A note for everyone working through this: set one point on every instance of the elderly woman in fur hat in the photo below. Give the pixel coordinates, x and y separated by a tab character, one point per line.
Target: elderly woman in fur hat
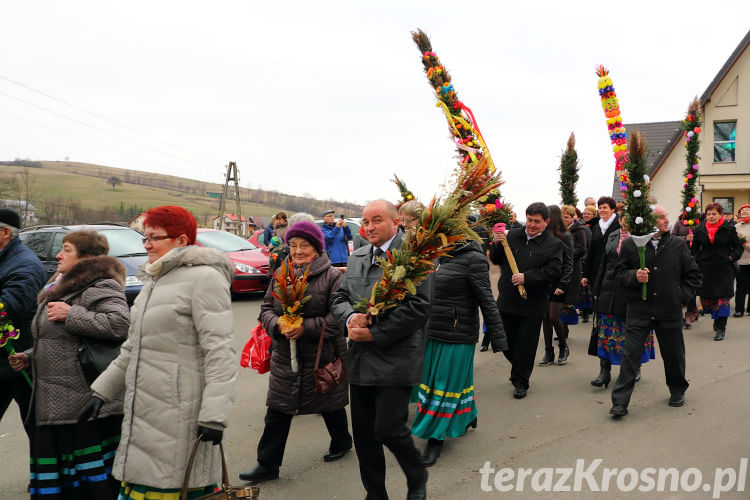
291	393
85	300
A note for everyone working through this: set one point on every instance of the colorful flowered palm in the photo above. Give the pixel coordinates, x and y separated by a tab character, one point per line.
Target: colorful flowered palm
630	167
443	224
691	127
492	210
617	136
8	333
639	215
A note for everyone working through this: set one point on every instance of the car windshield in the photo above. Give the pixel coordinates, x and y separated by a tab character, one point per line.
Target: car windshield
226	242
123	242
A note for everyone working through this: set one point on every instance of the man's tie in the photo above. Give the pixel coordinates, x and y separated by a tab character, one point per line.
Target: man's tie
377	253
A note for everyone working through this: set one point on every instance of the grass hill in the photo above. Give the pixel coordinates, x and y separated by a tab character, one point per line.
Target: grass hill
81	192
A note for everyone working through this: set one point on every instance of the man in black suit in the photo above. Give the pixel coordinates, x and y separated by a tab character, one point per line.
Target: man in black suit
538	255
384	360
672	277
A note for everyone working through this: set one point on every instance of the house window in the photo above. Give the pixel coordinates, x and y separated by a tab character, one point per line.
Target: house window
725	141
726	203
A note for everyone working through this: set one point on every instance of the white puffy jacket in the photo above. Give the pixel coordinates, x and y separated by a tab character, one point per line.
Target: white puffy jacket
177	369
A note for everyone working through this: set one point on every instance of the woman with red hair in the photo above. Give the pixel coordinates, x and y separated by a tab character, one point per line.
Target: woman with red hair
177	369
716	247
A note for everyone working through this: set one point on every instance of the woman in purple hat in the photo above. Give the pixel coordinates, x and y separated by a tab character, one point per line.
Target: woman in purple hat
291	393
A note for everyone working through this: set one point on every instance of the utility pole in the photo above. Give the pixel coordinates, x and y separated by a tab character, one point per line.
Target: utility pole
232	175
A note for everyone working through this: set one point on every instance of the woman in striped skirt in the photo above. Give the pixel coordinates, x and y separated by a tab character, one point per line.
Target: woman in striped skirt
86	299
445	400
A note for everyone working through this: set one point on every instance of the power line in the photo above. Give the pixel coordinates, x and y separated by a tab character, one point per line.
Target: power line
64	132
101	117
74	120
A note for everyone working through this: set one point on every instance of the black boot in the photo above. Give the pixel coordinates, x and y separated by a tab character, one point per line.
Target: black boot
720	325
605	374
585	316
472	424
720	332
564	353
548	359
432	452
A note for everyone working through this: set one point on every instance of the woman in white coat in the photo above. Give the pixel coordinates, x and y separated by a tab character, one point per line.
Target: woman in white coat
178	368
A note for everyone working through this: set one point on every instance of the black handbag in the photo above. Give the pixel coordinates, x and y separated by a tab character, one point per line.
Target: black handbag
95	355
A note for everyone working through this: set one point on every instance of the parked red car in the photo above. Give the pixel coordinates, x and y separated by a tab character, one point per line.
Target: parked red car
250	264
257	240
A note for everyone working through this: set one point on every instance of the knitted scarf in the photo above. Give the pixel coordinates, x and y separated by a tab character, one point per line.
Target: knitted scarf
712	228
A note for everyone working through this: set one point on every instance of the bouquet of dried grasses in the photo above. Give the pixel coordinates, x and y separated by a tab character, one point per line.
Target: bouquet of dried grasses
290	289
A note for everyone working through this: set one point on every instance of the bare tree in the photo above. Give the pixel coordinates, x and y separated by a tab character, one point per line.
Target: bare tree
114	180
26	190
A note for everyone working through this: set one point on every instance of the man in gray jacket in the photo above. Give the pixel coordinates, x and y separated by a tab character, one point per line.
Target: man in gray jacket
385	359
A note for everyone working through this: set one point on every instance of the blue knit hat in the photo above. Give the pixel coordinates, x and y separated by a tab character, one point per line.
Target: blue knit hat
308	231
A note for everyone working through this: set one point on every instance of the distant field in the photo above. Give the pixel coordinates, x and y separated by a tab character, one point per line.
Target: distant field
58	181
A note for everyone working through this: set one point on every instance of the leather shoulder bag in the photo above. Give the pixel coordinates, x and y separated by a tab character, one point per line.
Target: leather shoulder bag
331	374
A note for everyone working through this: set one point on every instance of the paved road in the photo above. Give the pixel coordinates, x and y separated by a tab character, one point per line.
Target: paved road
563	419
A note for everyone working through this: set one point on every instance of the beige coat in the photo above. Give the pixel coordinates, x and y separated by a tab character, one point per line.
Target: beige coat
177	369
743	229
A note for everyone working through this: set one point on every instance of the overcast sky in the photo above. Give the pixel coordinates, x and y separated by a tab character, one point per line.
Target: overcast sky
329	98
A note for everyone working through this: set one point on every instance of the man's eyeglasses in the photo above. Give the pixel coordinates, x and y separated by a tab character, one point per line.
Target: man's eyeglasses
151	239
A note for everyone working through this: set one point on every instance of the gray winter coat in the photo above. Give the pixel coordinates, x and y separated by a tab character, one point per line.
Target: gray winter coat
396	356
177	369
290	392
94	287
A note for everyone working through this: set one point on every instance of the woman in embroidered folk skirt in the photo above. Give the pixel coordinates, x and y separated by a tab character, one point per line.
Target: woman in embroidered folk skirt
446	405
716	246
610	308
86	299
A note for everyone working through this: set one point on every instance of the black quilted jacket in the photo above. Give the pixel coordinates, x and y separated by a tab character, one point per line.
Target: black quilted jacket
461	288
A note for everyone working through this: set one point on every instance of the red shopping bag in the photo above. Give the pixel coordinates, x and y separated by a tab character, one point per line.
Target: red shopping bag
257	351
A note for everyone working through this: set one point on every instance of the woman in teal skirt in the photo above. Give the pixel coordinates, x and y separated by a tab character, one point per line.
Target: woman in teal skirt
445	399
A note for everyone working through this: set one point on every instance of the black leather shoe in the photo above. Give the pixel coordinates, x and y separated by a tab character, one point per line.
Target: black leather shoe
418	492
719	334
333	456
738	314
432	452
677	400
618	411
484	348
260	473
564	354
520	392
548	359
472	424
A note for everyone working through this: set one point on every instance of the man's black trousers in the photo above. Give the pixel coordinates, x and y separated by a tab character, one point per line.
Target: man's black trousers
523	339
671	347
379	416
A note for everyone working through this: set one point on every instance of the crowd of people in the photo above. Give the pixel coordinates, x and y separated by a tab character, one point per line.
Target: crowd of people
118	398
